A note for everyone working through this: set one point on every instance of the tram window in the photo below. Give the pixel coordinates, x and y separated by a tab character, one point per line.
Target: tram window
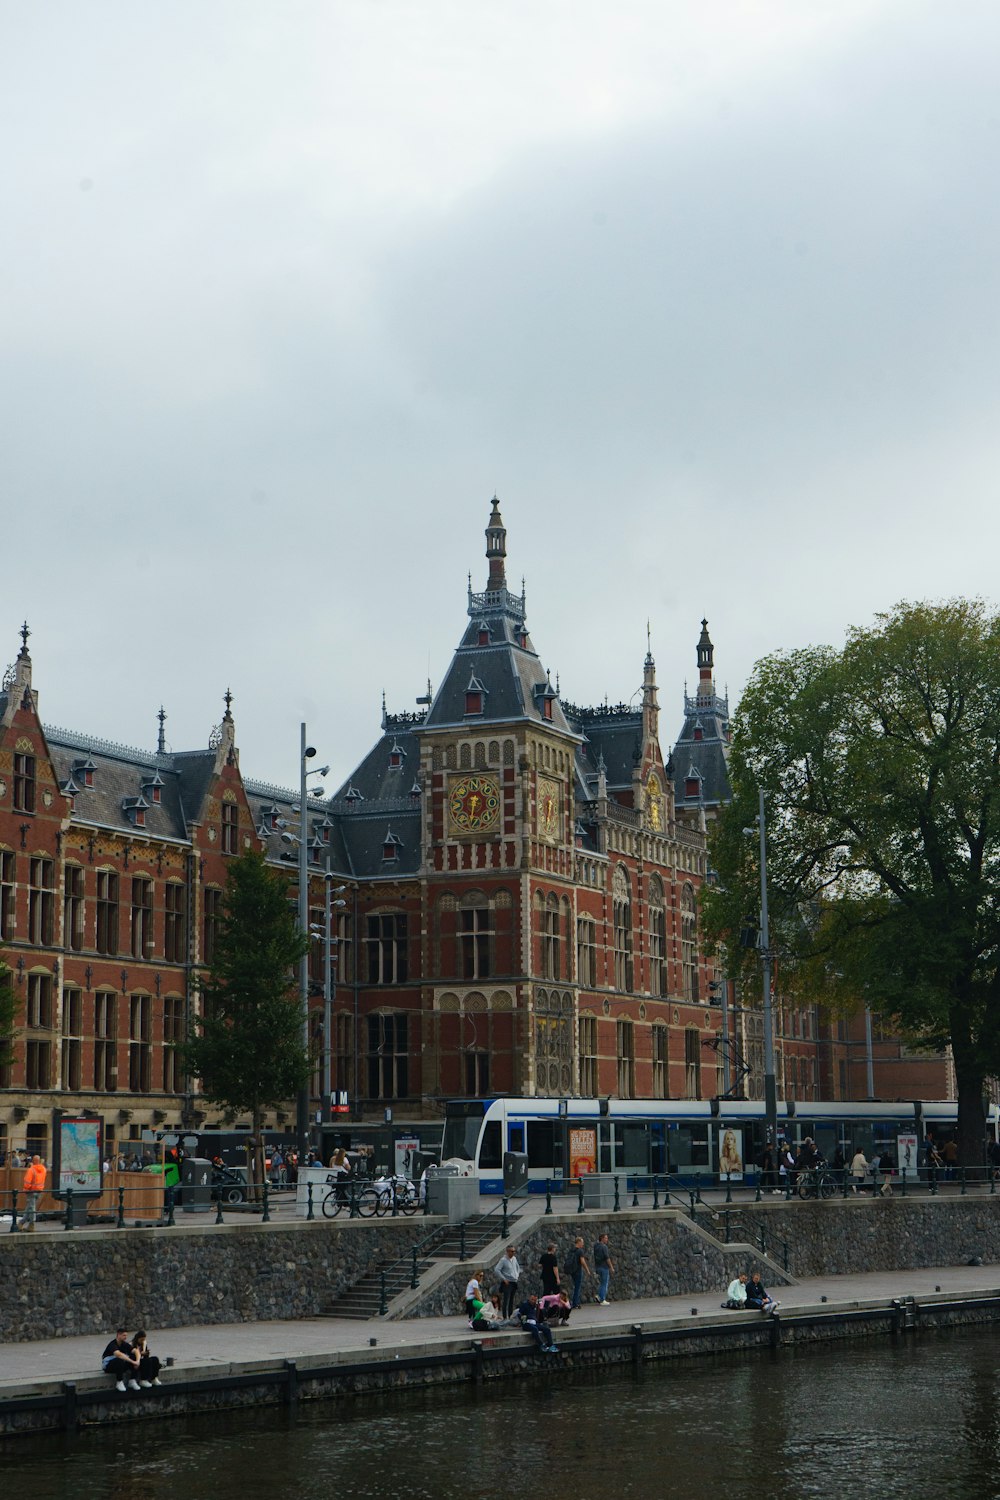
489	1151
604	1157
541	1143
635	1147
515	1137
689	1146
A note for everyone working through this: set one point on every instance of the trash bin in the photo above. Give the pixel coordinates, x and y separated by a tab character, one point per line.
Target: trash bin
515	1170
598	1189
196	1185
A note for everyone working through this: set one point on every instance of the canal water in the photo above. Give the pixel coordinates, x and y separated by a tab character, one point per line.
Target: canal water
916	1419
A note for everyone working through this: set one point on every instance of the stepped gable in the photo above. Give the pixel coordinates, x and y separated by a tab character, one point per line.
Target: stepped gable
496	676
701	754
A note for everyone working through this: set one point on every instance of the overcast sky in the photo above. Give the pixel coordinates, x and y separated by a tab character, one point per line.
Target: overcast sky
707	293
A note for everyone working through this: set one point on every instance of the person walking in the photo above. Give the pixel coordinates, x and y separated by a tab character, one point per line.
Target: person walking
604	1266
859	1170
576	1268
509	1272
548	1264
34	1187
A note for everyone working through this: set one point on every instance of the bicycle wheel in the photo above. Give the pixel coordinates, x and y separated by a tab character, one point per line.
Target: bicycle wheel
827	1185
409	1204
331	1206
368	1202
806	1188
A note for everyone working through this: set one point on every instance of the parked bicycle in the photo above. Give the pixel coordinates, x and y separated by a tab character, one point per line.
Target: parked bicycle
366	1199
816	1182
395	1194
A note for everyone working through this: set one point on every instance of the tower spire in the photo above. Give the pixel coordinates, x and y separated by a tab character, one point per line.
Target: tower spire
161	739
706	661
496	548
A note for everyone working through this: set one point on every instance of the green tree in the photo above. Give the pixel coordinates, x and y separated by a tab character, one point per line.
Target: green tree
248	1049
8	1015
880	764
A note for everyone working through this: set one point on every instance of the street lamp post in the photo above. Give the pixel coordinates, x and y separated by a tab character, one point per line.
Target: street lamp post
306	752
770	1090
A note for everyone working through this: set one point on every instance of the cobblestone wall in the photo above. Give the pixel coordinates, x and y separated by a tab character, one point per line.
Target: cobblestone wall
88	1282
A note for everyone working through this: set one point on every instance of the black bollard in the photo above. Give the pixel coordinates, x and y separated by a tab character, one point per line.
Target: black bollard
548	1196
354	1212
120	1222
964	1188
635	1192
579	1200
383	1305
756	1197
656	1192
691	1196
729	1187
395	1202
309	1202
266	1216
69	1208
934	1181
618	1202
170	1210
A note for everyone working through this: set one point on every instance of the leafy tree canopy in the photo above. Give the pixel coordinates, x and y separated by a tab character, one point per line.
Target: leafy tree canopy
249	1050
880	765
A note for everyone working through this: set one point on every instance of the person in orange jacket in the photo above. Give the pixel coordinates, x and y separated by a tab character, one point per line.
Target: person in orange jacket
34	1187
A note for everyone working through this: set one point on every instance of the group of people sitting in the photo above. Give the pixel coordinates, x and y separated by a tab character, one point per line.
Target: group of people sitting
535	1314
129	1362
749	1294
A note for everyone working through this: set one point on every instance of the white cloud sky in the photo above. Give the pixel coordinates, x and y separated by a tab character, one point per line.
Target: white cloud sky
709	295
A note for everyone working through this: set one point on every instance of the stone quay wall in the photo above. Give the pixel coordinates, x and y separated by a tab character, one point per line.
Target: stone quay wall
90	1281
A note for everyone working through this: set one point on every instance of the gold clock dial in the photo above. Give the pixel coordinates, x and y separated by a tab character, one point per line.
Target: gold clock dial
474	803
548	808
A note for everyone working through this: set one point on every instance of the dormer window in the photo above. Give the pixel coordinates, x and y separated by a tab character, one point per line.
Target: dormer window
699	732
391	846
415	789
475	696
152	787
484	633
547	708
522	638
83	771
134	809
353	795
396	757
692	783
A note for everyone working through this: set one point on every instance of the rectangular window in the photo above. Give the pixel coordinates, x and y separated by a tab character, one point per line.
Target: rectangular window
105	1041
139	1043
41	899
213	913
586	952
388	1058
38	1065
38	1005
344	950
476	942
623	945
657	951
550	943
692	1064
626	1060
107	911
73	908
477	1074
174	923
588	1057
72	1039
142	917
344	1076
387	948
8	880
173	1033
24	783
659	1062
231	828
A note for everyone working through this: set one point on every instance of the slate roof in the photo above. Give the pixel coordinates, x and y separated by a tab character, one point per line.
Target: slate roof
706	758
612	733
119	774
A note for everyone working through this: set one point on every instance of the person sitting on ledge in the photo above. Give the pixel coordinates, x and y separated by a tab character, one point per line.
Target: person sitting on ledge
758	1297
149	1365
482	1320
555	1307
736	1293
532	1321
121	1362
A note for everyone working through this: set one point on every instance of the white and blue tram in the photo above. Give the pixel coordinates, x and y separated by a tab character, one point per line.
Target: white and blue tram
680	1137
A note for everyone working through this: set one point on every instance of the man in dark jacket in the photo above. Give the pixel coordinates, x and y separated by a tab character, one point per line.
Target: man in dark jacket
757	1295
532	1322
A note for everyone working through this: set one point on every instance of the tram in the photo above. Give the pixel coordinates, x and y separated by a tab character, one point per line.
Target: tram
686	1138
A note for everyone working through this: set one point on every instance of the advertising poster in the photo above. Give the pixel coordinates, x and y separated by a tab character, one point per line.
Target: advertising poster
406	1149
906	1155
730	1153
78	1160
582	1151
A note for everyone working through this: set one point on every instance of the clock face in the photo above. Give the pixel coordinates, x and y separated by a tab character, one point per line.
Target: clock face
548	808
474	803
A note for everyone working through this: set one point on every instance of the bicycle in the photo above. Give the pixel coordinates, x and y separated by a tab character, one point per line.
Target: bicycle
339	1196
816	1182
398	1191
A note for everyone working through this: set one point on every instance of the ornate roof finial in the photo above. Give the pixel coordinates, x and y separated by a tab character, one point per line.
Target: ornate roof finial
161	742
25	632
227	698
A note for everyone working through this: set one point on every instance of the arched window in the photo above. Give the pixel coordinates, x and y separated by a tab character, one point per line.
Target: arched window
689	949
621	892
657	938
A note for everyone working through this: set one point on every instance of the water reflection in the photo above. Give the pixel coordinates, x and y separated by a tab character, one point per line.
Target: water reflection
910	1420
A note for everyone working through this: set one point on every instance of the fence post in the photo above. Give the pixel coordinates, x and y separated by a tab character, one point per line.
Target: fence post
461	1240
902	1177
505	1227
875	1172
691	1196
69	1208
993	1182
618	1202
964	1188
843	1184
266	1216
756	1198
548	1196
395	1201
656	1192
13	1210
170	1209
697	1187
729	1187
383	1306
309	1202
218	1209
579	1189
354	1212
635	1191
120	1223
934	1182
414	1278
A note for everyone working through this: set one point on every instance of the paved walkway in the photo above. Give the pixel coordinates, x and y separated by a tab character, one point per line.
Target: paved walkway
221	1344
